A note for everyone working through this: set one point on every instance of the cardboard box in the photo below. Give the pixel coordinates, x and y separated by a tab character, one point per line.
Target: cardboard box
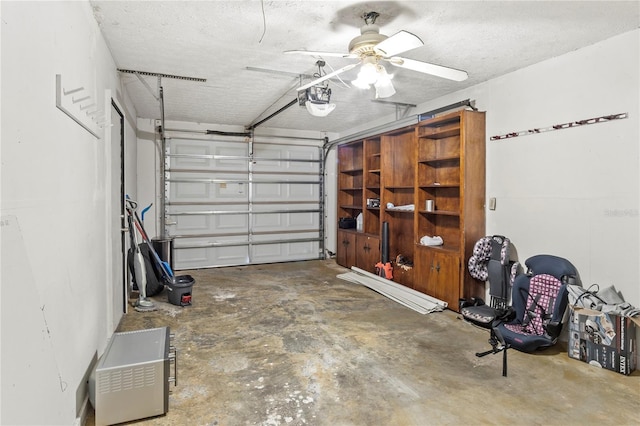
603	339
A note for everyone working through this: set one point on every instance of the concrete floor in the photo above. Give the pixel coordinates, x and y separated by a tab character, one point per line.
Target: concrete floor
291	344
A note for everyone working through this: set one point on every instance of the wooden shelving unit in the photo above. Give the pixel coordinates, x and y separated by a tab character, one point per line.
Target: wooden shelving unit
450	171
398	186
350	180
358	180
372	185
441	159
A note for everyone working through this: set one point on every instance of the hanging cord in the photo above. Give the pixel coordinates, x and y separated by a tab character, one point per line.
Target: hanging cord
586	296
338	77
264	22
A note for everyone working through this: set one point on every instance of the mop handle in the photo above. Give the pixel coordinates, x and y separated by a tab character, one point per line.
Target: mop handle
168	273
144	211
166	269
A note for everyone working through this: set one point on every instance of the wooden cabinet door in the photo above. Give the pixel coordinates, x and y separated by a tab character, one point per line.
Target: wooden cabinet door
439	275
346	249
447	283
367	252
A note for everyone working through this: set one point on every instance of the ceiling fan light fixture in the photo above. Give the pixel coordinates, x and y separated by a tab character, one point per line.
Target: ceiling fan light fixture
384	90
360	84
384	87
375	74
371	47
368	73
383	76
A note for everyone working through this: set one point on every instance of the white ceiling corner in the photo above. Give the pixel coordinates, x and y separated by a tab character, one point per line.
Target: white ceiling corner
218	40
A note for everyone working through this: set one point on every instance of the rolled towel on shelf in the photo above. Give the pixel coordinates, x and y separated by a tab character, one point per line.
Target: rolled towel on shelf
431	241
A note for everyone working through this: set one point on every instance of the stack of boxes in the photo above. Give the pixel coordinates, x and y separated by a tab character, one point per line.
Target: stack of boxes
603	339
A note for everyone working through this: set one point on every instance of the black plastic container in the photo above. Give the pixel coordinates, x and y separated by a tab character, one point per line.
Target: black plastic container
179	290
164	248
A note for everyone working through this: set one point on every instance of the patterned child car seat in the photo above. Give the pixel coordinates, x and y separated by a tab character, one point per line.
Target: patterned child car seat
540	300
539	303
491	261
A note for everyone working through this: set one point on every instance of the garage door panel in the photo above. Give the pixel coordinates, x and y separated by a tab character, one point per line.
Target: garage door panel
235	203
194	256
284	191
286	155
188	191
301	220
308	207
292	251
225	218
207	224
198	154
269	150
208	191
284	221
191	224
311	192
207	257
285	166
266	191
267	222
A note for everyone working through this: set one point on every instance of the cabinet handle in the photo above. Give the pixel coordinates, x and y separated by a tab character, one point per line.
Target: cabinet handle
438	267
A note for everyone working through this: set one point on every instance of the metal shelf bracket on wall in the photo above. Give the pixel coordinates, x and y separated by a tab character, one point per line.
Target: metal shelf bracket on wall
80	105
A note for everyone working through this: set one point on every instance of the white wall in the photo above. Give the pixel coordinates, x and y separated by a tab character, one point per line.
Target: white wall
55	210
573	193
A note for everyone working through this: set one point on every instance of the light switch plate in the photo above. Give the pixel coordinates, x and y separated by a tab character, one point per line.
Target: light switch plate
492	203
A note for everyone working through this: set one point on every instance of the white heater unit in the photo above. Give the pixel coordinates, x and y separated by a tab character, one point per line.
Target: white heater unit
131	379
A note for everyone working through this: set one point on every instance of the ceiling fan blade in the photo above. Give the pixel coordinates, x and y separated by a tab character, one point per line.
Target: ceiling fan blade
328	76
398	43
427	68
316	53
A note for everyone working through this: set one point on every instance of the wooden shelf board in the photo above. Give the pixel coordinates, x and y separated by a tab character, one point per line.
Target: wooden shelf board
399	211
399	188
440	212
441	133
448	185
444	248
439	160
351	171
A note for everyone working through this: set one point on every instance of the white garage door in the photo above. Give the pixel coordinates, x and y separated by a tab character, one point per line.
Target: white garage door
233	201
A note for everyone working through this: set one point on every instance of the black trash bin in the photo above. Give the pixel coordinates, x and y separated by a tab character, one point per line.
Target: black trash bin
179	290
164	248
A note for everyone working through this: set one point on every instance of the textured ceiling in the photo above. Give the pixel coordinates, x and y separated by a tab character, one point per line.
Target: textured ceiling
218	40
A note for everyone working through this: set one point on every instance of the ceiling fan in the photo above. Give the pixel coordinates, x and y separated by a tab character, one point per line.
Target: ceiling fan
371	48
